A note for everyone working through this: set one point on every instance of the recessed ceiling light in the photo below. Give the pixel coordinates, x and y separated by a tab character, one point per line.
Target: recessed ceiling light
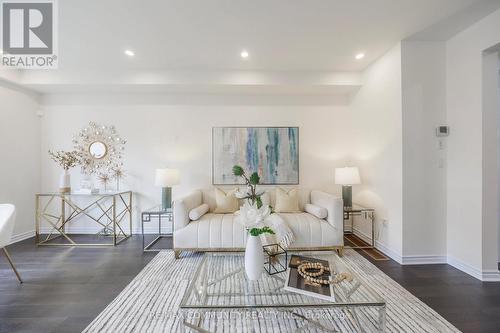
244	54
130	53
359	56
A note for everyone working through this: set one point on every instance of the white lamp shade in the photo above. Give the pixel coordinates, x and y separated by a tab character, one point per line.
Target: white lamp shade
167	177
347	176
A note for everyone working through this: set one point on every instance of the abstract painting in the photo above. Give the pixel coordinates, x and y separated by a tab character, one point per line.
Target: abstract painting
271	151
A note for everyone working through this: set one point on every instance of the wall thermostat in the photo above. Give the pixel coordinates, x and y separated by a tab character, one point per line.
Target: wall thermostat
443	131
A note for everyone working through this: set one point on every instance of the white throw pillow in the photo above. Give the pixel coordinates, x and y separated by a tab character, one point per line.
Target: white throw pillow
319	212
287	202
196	213
226	202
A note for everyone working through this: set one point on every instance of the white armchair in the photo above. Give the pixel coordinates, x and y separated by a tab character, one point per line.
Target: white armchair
7	217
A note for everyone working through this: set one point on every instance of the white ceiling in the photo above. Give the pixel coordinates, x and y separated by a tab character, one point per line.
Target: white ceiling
184	46
209	34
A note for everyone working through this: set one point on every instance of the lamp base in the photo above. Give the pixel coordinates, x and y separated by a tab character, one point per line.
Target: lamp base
347	196
166	198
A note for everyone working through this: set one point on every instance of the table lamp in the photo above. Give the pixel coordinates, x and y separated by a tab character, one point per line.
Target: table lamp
347	177
166	178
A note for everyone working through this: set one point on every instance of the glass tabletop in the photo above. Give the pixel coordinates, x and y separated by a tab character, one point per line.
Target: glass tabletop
220	282
158	210
357	208
81	194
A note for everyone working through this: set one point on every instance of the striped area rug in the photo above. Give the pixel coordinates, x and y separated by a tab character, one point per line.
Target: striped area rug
150	303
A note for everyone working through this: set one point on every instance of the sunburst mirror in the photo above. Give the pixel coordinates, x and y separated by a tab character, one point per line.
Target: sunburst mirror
100	147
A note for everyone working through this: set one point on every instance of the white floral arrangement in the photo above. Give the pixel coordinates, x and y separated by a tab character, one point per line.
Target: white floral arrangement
253	213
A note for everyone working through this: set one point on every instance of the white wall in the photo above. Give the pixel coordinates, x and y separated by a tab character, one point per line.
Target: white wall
375	142
179	136
176	132
424	168
466	221
20	161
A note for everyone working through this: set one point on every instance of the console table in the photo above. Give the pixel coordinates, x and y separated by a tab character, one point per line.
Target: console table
109	210
367	213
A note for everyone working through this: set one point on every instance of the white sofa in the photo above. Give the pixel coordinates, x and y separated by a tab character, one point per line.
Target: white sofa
220	232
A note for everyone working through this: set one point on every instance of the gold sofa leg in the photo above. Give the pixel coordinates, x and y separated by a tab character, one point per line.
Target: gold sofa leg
177	254
340	251
12	264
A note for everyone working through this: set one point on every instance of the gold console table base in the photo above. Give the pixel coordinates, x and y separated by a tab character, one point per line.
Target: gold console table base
111	209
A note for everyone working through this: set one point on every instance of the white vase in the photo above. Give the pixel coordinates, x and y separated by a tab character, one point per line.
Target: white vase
65	182
254	258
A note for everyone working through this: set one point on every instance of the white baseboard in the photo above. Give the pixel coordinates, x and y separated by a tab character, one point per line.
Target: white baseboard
482	275
366	238
22	236
490	276
403	260
379	246
388	252
464	267
424	260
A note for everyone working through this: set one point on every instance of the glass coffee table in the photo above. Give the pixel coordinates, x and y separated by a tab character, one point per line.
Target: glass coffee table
220	286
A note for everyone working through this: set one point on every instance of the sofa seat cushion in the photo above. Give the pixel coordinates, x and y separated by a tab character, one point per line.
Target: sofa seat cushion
219	231
211	231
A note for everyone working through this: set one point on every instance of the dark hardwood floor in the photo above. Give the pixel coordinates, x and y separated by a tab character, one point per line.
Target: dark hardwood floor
66	288
467	303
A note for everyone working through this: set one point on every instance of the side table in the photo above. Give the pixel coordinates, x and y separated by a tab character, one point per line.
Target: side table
163	215
367	213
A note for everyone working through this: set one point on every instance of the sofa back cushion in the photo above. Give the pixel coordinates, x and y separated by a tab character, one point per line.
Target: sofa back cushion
287	201
268	198
226	202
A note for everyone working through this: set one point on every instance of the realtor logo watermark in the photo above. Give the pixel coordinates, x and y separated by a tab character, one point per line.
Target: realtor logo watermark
29	34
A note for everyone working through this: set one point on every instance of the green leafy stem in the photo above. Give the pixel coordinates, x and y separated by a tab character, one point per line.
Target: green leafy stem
259	231
251	182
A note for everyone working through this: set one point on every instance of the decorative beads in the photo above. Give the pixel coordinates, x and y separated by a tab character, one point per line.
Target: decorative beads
304	271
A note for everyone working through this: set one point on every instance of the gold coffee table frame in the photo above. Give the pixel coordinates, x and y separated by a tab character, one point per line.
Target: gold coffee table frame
111	209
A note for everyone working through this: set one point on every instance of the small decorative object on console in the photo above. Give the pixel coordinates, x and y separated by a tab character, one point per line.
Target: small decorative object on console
277	259
118	173
67	160
104	180
88	191
87	186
